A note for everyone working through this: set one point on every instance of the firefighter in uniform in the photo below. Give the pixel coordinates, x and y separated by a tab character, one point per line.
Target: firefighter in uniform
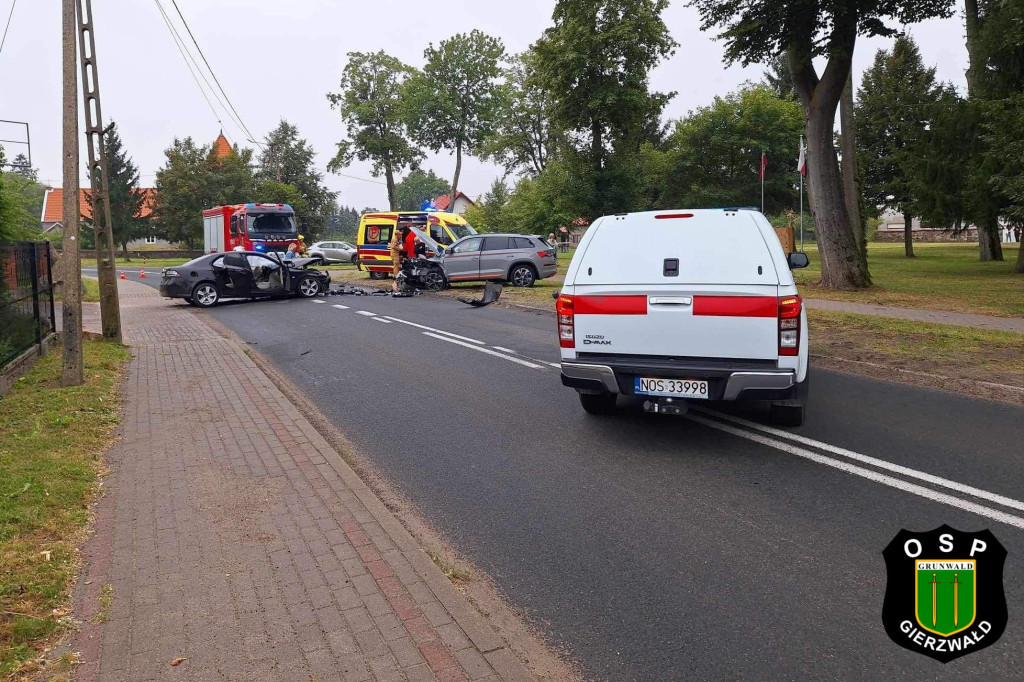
395	248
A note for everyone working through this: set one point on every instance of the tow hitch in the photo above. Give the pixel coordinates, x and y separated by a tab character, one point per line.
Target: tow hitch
666	406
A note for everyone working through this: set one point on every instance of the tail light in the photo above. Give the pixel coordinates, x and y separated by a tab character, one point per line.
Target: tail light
566	322
545	254
171	273
789	325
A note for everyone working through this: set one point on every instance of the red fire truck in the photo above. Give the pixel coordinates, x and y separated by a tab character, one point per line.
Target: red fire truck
254	227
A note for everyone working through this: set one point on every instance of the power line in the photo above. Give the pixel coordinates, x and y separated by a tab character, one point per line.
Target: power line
187	54
252	138
8	26
174	37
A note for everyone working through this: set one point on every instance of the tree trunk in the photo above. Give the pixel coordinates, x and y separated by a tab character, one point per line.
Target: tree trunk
124	250
843	266
851	180
908	235
455	180
389	176
1018	269
989	244
973	25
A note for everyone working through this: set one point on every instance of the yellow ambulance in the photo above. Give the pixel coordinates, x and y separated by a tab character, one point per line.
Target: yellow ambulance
375	230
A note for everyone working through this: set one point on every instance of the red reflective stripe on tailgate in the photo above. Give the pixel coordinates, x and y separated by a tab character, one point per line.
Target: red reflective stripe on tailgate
736	306
610	305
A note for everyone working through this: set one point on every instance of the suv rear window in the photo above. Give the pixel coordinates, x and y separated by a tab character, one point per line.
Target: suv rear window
522	243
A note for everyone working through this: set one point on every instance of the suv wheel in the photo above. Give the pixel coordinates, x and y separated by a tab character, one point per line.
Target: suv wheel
598	403
205	294
522	276
787	415
434	280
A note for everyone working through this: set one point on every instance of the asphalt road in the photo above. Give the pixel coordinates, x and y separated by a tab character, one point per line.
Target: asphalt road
658	548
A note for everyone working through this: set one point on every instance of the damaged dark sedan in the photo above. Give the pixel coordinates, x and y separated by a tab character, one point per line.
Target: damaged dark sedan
242	274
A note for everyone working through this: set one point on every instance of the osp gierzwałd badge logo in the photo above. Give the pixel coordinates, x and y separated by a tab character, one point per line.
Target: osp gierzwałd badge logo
944	595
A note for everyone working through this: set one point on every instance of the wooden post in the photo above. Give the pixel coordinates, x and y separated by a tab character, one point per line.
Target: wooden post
73	373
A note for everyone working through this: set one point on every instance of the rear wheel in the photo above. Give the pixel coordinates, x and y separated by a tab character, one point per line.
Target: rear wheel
787	415
522	276
354	259
309	287
598	403
205	294
378	275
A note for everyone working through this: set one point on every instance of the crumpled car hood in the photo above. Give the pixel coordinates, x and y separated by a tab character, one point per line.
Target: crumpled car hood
301	263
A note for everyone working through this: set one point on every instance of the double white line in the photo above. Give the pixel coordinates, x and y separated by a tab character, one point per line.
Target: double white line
779	442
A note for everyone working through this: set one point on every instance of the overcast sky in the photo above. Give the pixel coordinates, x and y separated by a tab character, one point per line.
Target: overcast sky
278	58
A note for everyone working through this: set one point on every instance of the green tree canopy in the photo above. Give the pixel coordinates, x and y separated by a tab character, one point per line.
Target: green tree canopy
289	159
454	103
126	201
194	179
21	201
14	219
370	106
714	153
595	62
895	104
524	138
418	187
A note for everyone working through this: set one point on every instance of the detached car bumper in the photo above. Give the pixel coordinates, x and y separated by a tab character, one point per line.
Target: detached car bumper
727	380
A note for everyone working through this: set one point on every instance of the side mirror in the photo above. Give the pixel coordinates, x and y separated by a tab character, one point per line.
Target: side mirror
798	260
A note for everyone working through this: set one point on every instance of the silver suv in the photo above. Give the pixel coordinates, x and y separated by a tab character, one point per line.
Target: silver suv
515	258
333	252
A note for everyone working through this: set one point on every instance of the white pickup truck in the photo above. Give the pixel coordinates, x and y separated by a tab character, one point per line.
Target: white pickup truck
684	305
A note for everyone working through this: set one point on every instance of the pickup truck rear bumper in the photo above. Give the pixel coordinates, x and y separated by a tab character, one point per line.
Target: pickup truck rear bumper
727	380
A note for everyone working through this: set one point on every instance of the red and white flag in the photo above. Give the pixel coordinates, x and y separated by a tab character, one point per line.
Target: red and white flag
801	164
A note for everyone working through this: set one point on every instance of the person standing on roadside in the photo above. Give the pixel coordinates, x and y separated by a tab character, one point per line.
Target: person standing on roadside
395	247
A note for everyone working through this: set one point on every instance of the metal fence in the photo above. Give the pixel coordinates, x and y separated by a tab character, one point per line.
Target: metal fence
26	297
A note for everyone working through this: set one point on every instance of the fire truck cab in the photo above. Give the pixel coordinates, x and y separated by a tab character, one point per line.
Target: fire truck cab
253	227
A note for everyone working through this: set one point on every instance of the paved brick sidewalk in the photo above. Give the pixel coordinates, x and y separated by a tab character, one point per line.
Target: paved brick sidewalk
233	535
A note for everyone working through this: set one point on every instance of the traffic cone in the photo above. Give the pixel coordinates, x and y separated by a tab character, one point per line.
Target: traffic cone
142	274
122	274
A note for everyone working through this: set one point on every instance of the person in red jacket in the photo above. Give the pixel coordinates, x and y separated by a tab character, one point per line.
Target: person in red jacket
410	245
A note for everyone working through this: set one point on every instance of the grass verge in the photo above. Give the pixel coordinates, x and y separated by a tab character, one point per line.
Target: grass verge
940	277
51	439
961	353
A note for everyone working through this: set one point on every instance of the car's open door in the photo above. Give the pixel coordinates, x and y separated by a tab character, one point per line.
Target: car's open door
236	279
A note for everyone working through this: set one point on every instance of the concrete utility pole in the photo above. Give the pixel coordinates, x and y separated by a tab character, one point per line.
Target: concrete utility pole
110	307
73	374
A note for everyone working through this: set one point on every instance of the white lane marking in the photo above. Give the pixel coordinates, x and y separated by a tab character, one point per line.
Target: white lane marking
382	320
875	462
504	350
436	331
340	307
496	354
366	313
316	300
556	365
869	474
